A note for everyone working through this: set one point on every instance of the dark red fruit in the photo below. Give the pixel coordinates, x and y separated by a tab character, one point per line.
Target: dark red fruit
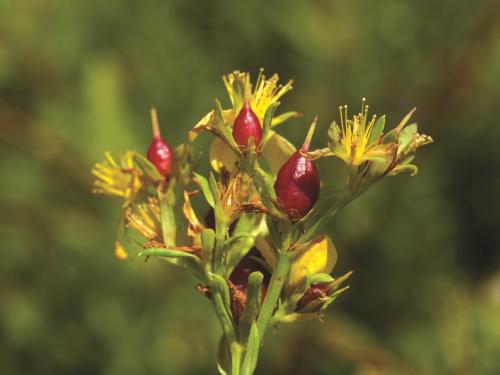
246	126
159	152
251	262
297	183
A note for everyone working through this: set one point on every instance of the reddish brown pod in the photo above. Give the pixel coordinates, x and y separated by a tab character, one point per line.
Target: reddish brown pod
246	126
251	262
159	152
315	295
297	183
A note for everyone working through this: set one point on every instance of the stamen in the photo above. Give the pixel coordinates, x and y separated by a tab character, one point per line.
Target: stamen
154	123
341	120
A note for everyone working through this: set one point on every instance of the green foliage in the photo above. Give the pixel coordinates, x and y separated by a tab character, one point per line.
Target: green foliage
78	79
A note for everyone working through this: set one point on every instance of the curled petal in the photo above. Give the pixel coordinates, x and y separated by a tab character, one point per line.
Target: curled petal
319	256
195	227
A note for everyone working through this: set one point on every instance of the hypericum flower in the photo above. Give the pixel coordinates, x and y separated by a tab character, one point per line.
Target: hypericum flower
297	182
122	180
358	141
265	93
159	152
144	218
362	140
247	126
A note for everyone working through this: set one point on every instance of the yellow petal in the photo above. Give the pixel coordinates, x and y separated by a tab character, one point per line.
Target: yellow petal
319	257
277	151
221	156
195	227
120	252
205	122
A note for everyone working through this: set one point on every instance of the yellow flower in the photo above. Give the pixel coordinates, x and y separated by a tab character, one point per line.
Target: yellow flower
122	180
265	93
355	141
362	139
144	218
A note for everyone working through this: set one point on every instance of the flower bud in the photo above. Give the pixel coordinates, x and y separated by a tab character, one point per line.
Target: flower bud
313	298
159	152
246	126
297	183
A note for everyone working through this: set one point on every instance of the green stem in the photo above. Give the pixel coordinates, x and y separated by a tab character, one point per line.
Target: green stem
229	332
224	317
323	217
236	352
273	293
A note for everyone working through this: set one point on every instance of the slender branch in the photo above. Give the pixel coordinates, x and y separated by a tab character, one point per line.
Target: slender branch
273	292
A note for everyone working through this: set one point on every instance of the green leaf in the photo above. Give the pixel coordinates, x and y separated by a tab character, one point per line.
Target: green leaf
266	123
322	153
408	160
321	278
223	356
238	237
284	117
404	121
266	184
333	135
223	128
298	317
337	282
252	353
147	167
272	225
252	307
246	224
219	285
333	297
207	244
178	258
377	130
168	226
205	188
405	137
410	168
167	253
237	248
391	137
214	188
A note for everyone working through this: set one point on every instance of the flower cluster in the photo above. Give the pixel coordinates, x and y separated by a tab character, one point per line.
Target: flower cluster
257	250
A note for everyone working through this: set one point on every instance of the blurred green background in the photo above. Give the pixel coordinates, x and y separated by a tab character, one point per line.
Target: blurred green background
77	78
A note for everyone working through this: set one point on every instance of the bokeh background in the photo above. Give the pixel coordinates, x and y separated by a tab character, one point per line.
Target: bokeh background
77	78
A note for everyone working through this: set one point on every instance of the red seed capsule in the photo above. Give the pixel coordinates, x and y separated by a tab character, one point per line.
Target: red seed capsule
297	183
247	125
239	281
159	152
314	297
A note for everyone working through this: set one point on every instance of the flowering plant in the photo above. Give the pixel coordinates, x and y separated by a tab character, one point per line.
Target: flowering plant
258	252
